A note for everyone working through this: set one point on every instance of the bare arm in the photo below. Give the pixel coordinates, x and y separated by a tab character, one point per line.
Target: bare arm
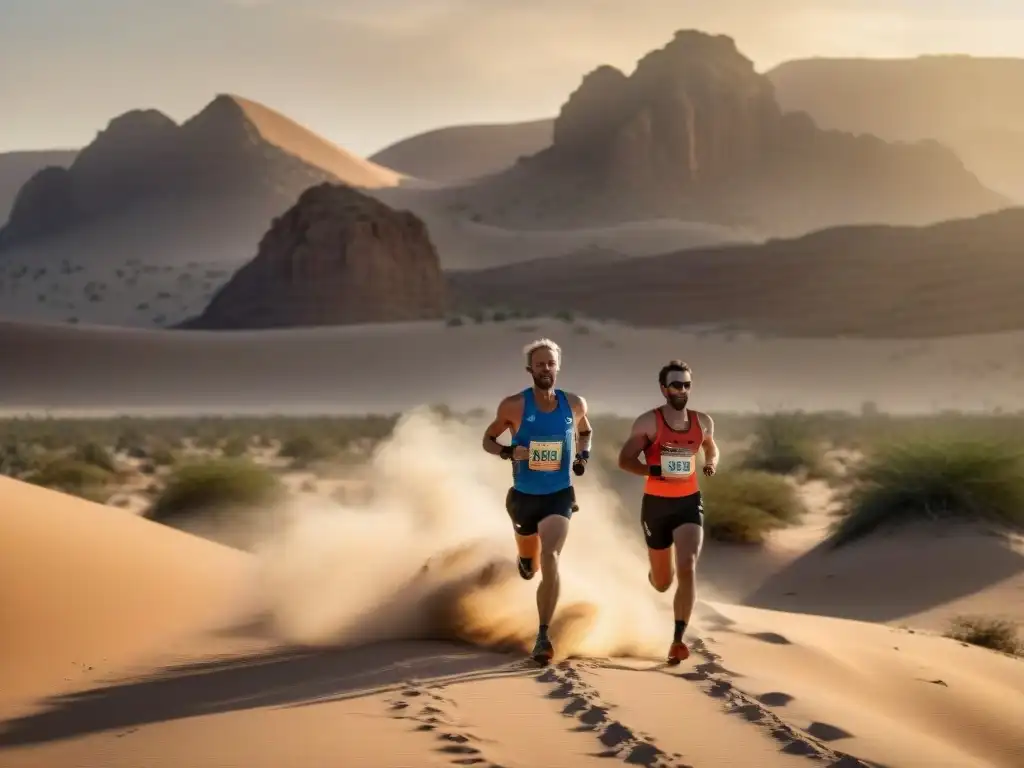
709	445
639	438
584	430
506	417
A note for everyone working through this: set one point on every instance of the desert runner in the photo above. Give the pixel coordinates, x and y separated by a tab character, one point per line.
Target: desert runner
544	423
671	509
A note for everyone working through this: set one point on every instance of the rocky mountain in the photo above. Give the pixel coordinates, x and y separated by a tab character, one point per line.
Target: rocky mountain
965	102
696	133
461	153
18	167
229	169
336	257
956	277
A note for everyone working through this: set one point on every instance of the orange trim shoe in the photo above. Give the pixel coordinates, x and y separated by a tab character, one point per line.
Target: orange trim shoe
677	652
543	651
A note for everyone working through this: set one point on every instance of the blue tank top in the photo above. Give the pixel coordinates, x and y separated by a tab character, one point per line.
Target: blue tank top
550	438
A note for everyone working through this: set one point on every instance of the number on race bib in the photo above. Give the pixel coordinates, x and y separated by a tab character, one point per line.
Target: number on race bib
545	455
676	463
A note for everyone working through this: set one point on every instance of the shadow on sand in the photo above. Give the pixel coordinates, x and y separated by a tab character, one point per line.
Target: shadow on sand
890	575
273	679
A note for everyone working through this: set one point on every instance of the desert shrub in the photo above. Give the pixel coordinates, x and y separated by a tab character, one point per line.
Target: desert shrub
74	477
743	506
234	447
215	485
16	459
784	444
95	454
997	634
304	449
972	480
161	455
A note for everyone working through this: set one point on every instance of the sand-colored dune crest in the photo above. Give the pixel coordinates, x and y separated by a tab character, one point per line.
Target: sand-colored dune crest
460	153
288	135
86	589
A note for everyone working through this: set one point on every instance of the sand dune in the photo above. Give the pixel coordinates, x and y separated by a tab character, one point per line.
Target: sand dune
471	365
286	134
465	244
846	582
367	688
86	588
867	281
463	152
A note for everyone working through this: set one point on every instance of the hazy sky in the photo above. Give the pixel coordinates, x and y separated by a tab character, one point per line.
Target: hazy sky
364	73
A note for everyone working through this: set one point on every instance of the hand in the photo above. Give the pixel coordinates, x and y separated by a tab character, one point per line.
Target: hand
654	470
709	469
520	453
579	466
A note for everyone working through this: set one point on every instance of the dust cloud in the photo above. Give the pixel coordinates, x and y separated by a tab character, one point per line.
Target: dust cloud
432	555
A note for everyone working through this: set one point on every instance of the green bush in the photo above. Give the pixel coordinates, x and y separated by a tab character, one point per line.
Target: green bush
74	477
784	444
303	449
997	634
95	454
215	485
234	447
162	456
744	506
16	459
965	479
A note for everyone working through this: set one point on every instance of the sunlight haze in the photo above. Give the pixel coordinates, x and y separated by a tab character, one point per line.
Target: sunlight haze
364	74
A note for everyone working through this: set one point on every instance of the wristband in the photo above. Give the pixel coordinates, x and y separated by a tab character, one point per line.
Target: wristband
506	452
654	470
584	455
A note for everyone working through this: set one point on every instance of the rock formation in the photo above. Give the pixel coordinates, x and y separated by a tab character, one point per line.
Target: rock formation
965	102
696	132
336	257
958	277
16	168
231	167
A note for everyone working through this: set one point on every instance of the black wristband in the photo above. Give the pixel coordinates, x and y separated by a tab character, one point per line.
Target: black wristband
583	456
506	452
654	470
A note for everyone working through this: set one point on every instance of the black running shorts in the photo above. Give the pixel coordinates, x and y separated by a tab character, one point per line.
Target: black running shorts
528	509
661	515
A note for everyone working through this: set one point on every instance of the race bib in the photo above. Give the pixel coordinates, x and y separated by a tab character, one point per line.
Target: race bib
677	463
545	455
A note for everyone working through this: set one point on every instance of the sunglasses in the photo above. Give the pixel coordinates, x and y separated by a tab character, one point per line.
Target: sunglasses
678	385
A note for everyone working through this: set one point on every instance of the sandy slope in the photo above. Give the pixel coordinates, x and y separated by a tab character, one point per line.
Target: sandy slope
286	134
473	365
85	588
472	245
462	152
846	582
765	688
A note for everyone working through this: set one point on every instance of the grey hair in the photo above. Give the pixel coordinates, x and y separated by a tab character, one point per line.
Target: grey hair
533	346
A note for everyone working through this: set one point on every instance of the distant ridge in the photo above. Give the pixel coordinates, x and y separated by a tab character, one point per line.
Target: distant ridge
462	153
231	167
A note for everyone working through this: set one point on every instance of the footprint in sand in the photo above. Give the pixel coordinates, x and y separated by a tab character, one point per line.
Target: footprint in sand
712	677
435	714
585	705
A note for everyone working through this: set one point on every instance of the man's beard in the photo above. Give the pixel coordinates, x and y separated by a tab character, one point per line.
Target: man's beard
679	403
544	381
